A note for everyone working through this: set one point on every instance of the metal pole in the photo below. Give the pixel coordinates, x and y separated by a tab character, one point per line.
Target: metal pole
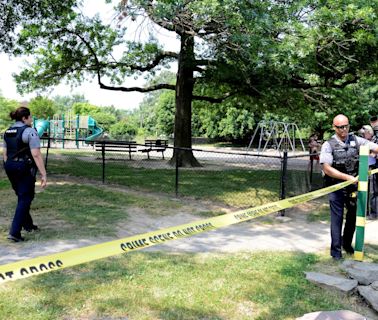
63	129
47	151
177	171
77	131
311	170
283	179
362	197
103	160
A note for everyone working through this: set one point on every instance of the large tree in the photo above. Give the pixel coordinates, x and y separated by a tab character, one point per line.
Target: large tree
282	53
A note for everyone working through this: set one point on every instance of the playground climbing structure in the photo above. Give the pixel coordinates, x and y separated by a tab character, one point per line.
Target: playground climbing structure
69	127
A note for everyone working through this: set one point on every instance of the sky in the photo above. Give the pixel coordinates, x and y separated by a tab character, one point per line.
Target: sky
91	90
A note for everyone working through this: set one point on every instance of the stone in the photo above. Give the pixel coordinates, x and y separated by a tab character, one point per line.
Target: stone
374	285
339	283
332	315
370	295
365	273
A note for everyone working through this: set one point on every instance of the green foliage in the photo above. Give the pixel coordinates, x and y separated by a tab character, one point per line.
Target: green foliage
42	108
105	117
65	103
16	13
165	113
84	108
6	107
303	60
123	130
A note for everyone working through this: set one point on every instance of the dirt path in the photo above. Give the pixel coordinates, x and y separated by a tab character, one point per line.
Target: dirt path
290	233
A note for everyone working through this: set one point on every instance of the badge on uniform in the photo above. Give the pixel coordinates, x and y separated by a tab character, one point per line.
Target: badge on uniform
353	143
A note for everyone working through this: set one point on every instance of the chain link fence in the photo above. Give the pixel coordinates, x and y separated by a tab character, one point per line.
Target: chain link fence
229	177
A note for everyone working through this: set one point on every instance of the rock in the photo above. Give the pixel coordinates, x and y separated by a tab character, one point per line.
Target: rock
283	219
374	285
345	285
365	273
370	295
332	315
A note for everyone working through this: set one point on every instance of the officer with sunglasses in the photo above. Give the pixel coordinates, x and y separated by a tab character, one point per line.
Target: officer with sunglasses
339	159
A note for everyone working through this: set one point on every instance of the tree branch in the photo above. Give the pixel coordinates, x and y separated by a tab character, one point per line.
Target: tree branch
138	89
212	99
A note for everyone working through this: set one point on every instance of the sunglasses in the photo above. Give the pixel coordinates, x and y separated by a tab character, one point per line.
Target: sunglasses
345	126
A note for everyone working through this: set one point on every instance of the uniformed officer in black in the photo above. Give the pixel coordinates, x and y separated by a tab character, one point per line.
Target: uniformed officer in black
373	191
22	159
339	159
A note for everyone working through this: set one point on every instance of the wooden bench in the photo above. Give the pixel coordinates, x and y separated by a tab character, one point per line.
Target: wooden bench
116	146
157	145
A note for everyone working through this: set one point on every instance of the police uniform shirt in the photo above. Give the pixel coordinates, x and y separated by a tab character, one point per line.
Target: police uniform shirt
326	151
29	136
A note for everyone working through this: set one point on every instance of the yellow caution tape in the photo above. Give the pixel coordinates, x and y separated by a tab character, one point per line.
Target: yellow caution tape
30	267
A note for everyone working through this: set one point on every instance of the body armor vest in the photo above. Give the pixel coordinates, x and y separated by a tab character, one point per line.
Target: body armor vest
345	158
16	148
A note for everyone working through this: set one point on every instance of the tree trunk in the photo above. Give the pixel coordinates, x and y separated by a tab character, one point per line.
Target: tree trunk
183	115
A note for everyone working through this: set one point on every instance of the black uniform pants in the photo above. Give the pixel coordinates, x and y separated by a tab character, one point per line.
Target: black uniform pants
339	199
23	184
373	195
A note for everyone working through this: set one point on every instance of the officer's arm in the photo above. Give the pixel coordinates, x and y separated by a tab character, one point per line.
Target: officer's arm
334	173
37	156
5	156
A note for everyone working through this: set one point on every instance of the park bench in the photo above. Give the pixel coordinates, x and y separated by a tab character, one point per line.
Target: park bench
157	145
116	146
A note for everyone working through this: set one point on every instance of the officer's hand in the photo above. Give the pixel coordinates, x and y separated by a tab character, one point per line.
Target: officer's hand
43	182
352	178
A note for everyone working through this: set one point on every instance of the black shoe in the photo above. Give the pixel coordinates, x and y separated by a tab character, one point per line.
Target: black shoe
348	249
32	228
337	258
15	239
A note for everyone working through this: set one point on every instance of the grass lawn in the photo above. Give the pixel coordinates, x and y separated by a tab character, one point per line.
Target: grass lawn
239	188
155	285
140	285
77	211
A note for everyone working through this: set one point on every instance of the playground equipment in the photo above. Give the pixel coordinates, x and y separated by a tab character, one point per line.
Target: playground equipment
75	128
41	126
276	135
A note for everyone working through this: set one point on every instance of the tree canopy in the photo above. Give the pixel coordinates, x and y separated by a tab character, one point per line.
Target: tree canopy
278	55
15	13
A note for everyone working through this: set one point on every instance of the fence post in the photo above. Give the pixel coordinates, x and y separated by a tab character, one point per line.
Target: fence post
311	170
283	179
176	151
362	197
47	151
103	160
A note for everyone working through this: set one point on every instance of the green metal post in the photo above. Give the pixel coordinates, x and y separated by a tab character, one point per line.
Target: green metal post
362	197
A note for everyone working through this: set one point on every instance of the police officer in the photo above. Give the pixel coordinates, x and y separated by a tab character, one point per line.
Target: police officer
374	184
339	159
22	158
367	132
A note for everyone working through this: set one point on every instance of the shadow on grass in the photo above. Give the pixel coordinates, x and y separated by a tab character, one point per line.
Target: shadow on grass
263	285
240	188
